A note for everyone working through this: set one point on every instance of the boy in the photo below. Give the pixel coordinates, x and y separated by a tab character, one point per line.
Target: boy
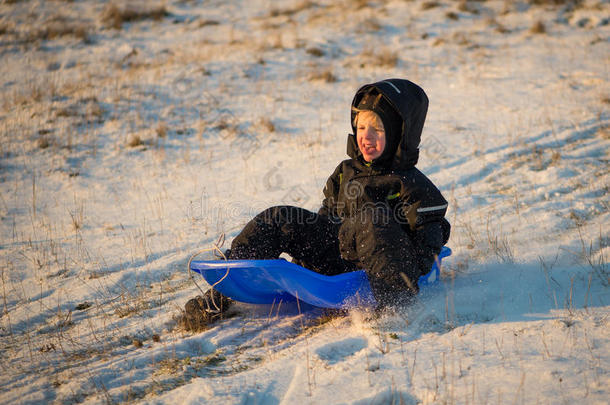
379	212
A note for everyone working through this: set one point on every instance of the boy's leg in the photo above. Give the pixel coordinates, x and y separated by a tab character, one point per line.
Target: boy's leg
385	251
309	238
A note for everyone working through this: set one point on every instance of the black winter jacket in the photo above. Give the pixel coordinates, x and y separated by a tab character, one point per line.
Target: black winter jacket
392	182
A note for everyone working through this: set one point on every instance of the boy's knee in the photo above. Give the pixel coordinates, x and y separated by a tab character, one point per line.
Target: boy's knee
278	214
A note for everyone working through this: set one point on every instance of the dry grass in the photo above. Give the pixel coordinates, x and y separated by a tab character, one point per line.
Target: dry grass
228	126
467	7
37	88
266	124
383	57
168	366
325	75
84	111
497	27
60	29
58	26
604	132
43	142
538	28
114	16
162	129
451	15
317	52
206	23
359	4
554	2
134	140
368	25
427	5
386	57
5	28
297	8
458	38
130	305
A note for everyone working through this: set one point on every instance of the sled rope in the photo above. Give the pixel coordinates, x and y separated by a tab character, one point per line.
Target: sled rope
215	248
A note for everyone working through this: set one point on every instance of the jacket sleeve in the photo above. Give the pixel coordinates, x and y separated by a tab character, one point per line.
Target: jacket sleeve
432	232
331	194
425	213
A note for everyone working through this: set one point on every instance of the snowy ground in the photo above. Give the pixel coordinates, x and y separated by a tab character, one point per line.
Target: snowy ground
126	146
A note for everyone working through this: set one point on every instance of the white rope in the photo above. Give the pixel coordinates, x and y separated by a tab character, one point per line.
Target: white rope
215	247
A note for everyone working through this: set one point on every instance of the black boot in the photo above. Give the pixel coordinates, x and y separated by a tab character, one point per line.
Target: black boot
219	255
201	311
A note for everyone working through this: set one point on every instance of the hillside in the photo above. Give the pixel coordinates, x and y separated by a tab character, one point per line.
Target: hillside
132	137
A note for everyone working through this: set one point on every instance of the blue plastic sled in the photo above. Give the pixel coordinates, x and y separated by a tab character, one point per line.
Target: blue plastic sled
269	281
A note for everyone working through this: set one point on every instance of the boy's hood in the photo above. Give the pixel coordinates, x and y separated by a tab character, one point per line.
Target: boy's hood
411	102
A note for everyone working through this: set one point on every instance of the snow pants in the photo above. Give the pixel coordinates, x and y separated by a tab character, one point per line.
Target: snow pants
371	241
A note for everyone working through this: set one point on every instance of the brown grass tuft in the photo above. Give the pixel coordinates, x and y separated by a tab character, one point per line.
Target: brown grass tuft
134	140
427	5
325	75
554	2
383	57
114	16
555	157
359	4
266	124
451	15
5	28
94	111
162	129
538	28
301	6
56	30
43	142
317	52
57	26
368	25
467	7
492	22
206	23
438	41
387	58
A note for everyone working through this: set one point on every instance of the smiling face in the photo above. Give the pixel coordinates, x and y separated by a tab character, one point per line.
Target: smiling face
370	135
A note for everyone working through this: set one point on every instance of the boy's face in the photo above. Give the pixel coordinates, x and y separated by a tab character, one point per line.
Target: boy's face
370	135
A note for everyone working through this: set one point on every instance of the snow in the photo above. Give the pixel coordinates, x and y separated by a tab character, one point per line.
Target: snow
125	151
